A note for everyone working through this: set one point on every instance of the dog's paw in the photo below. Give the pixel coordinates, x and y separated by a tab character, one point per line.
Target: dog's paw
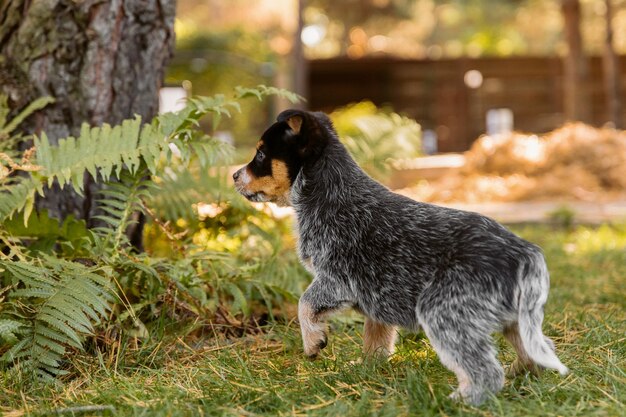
456	396
468	397
518	368
315	344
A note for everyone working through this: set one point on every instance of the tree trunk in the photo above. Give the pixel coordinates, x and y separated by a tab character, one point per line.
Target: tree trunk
575	97
612	73
301	72
103	61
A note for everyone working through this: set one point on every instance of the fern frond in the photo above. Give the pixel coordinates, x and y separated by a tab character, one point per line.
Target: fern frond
118	201
178	193
7	128
240	302
8	329
59	337
98	150
211	151
261	91
17	194
103	151
61	302
9	139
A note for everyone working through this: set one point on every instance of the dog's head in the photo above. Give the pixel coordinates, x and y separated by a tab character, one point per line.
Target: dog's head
297	137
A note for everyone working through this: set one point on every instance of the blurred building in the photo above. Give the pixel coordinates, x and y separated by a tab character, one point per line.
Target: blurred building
452	96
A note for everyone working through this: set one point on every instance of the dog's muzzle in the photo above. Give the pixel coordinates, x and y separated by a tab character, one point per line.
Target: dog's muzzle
241	179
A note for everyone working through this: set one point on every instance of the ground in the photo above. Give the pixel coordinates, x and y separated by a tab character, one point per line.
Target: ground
267	374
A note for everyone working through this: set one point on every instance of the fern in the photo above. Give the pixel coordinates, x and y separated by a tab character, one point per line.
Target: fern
52	304
118	202
104	151
66	300
49	234
8	140
261	91
17	194
9	329
375	137
178	192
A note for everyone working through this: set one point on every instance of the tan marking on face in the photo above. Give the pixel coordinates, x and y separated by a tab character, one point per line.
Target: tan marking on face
295	123
275	186
259	144
379	338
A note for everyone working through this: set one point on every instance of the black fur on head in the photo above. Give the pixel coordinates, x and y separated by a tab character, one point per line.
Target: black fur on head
310	131
298	138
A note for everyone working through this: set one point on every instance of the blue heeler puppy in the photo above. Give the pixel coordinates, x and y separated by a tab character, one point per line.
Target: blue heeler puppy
458	275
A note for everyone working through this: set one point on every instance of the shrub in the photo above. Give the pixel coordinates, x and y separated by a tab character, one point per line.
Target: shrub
61	281
375	137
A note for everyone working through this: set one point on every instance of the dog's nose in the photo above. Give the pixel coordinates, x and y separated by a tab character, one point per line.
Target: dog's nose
236	175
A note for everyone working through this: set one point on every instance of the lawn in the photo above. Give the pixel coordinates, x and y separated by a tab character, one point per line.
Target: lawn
265	373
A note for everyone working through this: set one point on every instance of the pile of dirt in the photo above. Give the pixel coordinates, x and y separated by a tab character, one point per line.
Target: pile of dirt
577	162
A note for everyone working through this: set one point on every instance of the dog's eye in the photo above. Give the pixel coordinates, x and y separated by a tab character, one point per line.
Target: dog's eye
260	156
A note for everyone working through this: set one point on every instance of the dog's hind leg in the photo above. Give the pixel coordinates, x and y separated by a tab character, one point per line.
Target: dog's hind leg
379	338
459	329
471	357
523	363
318	301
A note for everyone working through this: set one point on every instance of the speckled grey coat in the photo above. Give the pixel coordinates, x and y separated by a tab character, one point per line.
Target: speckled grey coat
457	275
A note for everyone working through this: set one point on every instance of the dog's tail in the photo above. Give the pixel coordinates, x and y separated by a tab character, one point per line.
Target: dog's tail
534	286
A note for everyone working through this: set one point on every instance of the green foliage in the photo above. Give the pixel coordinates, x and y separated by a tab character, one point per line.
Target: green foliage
118	202
261	91
375	137
563	217
449	29
56	303
267	374
104	151
179	191
209	59
59	280
47	234
8	329
8	138
17	194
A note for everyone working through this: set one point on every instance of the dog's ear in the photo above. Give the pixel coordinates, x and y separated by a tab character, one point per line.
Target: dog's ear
308	133
294	119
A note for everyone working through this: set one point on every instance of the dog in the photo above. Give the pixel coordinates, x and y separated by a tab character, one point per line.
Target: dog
457	275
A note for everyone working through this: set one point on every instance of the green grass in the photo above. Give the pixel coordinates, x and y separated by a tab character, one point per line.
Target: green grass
266	374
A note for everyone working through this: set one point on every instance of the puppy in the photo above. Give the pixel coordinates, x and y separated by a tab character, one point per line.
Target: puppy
458	275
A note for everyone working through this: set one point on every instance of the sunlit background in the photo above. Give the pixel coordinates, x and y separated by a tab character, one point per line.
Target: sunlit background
510	108
457	70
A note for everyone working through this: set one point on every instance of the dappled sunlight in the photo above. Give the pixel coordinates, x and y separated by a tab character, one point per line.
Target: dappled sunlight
148	285
211	210
575	162
413	353
530	149
273	210
586	240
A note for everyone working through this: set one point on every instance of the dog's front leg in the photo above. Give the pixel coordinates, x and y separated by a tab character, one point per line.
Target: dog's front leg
379	338
317	302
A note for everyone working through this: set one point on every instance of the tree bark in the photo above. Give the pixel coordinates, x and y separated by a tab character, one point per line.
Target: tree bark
575	95
612	73
103	61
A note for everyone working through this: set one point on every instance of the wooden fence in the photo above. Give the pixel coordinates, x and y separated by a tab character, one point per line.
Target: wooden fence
435	94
